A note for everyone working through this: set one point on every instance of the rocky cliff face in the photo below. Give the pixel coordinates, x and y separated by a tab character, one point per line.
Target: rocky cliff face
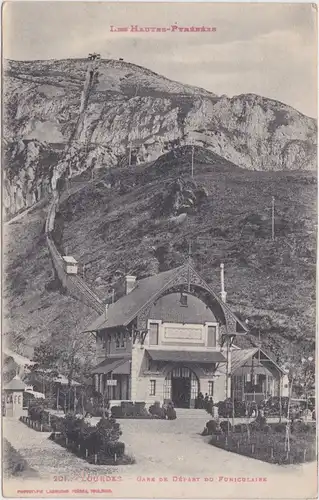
133	114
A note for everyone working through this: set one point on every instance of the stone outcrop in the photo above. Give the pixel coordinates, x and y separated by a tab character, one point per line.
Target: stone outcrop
134	113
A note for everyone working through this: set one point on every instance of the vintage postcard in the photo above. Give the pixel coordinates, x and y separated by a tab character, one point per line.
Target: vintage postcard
159	208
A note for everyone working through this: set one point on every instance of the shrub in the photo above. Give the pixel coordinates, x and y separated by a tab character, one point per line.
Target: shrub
266	429
115	448
280	428
299	426
240	428
36	413
116	411
212	427
171	413
108	430
225	426
72	427
140	410
128	409
157	411
225	408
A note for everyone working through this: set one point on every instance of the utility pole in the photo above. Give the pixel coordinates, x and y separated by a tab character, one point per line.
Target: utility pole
189	263
192	161
273	218
129	154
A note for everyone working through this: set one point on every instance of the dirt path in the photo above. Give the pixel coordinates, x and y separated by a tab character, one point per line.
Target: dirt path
46	457
171	458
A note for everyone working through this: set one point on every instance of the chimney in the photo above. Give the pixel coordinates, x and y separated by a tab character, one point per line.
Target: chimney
222	283
130	282
105	312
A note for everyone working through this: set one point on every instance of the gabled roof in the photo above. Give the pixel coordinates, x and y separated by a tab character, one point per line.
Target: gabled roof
124	310
16	384
240	356
69	259
17	358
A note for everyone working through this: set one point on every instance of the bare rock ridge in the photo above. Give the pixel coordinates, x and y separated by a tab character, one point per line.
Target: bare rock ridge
133	109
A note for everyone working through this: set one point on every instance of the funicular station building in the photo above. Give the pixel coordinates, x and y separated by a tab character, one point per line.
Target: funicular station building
170	336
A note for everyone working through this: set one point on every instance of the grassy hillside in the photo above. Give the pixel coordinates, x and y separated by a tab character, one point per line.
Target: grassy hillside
130	221
140	220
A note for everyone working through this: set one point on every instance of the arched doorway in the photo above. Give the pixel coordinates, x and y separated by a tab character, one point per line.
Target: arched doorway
182	387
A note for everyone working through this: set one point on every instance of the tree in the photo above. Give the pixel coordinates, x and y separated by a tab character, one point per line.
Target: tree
45	367
75	352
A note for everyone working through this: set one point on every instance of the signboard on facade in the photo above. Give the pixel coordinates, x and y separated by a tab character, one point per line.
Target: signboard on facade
111	382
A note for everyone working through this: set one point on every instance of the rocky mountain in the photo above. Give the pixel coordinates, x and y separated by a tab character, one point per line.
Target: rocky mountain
132	115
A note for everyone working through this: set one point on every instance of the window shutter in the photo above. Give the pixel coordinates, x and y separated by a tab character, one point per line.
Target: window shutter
211	336
153	334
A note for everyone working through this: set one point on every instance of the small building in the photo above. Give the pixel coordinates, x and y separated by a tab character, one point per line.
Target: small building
13	398
70	264
255	376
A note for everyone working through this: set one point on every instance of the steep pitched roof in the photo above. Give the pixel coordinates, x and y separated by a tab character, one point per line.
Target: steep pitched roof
124	310
240	356
16	384
127	307
17	358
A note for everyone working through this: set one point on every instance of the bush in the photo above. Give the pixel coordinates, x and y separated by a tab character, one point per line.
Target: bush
225	408
280	428
240	428
171	413
212	427
271	406
299	426
116	448
266	429
226	426
140	410
117	411
129	409
157	411
36	413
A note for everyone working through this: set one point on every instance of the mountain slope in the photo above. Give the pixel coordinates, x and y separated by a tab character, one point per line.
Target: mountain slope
132	106
140	220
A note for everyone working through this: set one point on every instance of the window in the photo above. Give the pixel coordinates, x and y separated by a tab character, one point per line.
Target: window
211	336
153	333
120	341
210	388
183	300
152	387
117	341
123	340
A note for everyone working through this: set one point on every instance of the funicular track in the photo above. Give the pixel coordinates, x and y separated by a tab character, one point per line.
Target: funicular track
74	284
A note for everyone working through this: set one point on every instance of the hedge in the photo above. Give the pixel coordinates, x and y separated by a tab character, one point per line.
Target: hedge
99	445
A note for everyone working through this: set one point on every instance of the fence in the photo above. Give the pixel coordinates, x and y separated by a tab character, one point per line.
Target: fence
74	284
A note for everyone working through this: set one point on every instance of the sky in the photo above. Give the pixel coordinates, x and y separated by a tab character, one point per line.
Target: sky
266	49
